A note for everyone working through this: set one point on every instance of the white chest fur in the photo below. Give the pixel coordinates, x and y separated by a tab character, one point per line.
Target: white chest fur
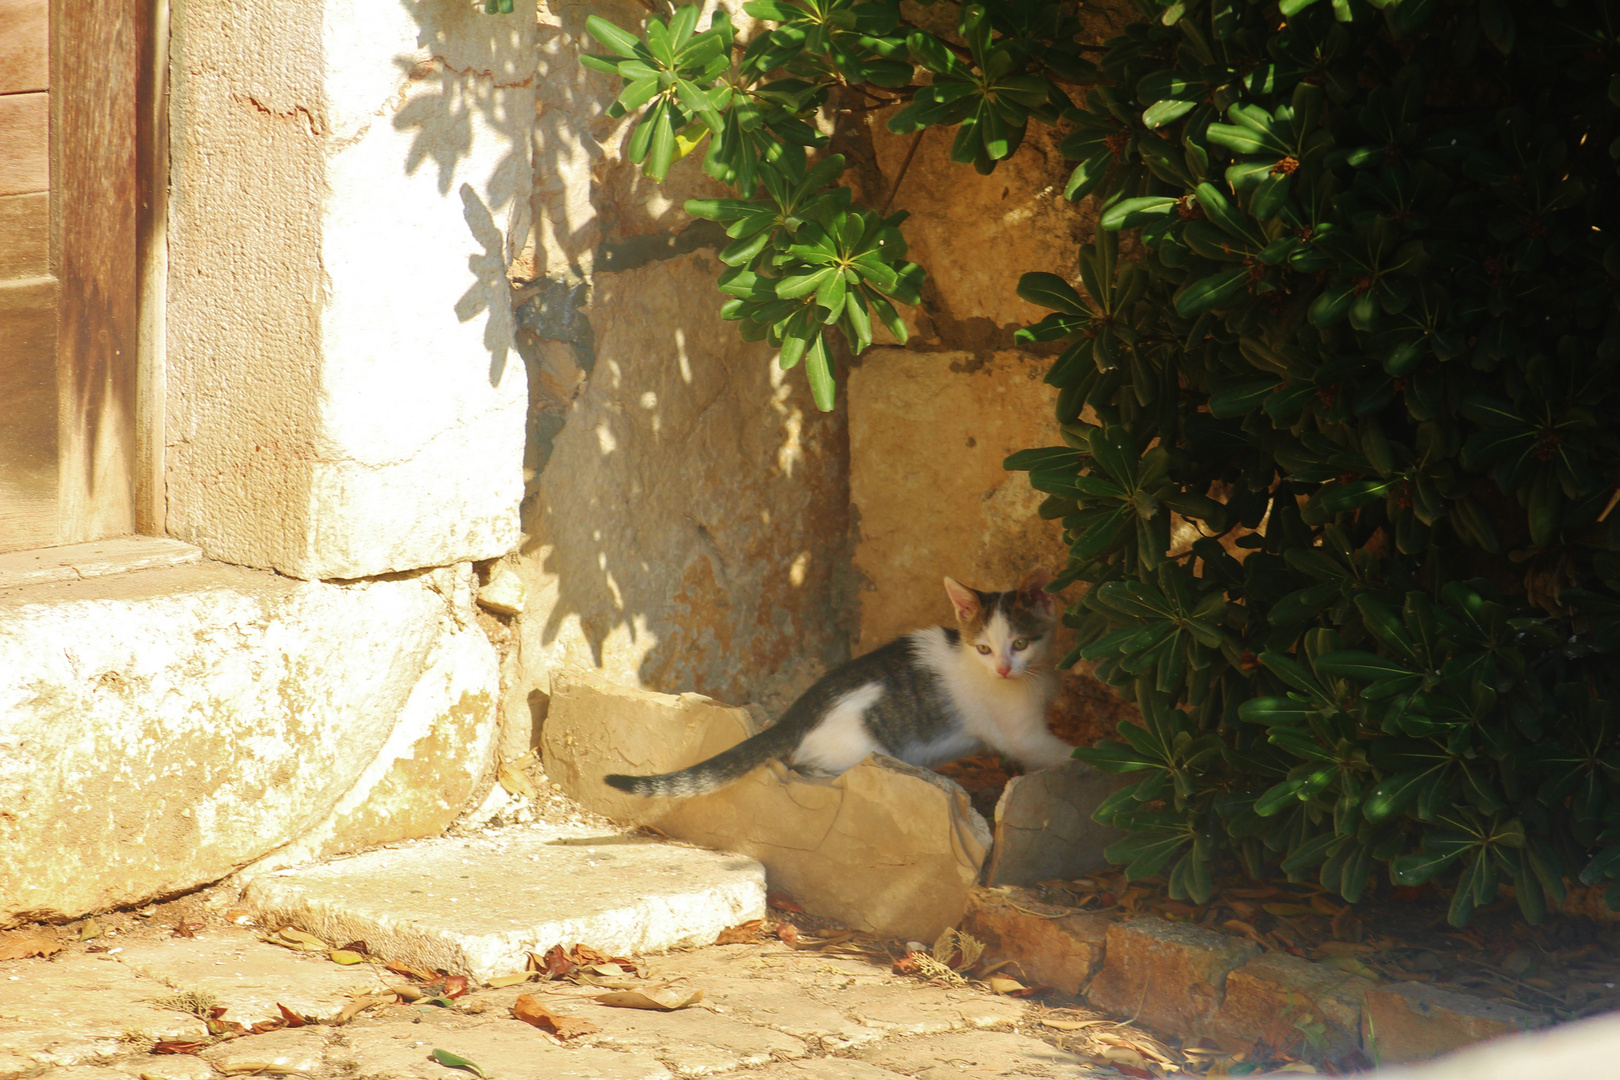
1009	715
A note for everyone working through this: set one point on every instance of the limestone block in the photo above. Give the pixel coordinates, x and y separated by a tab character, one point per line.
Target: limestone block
1414	1021
504	592
885	848
1049	945
1044	828
928	432
478	906
350	183
689	529
1170	975
161	729
1274	995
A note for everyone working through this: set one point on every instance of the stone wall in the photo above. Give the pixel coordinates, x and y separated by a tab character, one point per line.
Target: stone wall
685	523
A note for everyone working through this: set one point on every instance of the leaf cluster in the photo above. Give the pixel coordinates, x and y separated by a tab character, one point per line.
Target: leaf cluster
1339	463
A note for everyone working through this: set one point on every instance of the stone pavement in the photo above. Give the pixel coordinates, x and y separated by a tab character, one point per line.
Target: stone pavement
768	1012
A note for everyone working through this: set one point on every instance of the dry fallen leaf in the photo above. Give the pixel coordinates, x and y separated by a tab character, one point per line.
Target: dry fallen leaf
179	1046
1001	984
346	956
89	929
1071	1025
512	980
28	943
743	934
664	998
529	1009
360	1005
290	938
514	781
414	973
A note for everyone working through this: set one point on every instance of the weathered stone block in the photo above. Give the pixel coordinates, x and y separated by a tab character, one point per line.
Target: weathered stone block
1049	945
885	848
689	529
478	906
1271	996
161	729
1170	975
1044	827
1414	1021
350	182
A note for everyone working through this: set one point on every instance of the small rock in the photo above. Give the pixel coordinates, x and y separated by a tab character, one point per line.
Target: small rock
504	593
1044	828
296	1050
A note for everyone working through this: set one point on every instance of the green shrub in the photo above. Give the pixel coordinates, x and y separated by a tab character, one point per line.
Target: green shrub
1340	411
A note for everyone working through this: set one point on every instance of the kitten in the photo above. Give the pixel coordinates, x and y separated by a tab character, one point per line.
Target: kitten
927	698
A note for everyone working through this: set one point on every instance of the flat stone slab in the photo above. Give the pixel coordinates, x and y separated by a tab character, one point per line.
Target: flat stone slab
78	1009
979	1055
478	906
249	976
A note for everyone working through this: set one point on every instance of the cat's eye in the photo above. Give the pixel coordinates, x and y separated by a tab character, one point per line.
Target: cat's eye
1020	645
985	649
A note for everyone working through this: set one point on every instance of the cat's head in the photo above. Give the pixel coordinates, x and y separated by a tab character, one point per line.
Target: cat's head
1007	632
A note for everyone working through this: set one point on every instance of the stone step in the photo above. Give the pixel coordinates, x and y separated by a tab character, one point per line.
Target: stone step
477	906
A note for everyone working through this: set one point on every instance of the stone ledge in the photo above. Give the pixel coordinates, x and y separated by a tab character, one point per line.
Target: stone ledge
75	562
479	907
1188	982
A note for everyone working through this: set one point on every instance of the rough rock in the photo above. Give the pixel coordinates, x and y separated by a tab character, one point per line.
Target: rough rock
885	847
928	432
1274	995
1049	945
688	528
350	182
74	562
175	1067
504	591
1044	828
1414	1021
1171	976
479	906
200	717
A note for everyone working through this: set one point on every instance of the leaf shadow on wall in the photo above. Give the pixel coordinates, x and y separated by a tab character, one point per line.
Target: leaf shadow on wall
457	107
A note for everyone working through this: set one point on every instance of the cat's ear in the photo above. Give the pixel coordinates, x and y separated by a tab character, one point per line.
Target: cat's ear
1032	591
964	599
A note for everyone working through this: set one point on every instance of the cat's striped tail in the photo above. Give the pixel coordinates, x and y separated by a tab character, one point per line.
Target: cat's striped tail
778	740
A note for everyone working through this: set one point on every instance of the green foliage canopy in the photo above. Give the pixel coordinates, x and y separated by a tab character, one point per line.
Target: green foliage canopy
1338	395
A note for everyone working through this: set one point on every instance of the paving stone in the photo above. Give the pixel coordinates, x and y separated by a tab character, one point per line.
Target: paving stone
828	1068
301	1050
1170	976
508	1051
172	1067
693	1041
988	1055
478	905
85	1072
1044	829
1270	995
904	1008
1414	1021
77	1009
251	976
1049	945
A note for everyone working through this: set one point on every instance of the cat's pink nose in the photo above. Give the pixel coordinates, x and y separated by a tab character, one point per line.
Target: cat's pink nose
1003	670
